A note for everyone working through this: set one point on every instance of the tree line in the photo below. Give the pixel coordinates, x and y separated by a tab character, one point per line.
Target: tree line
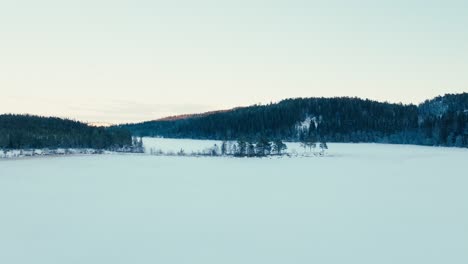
35	132
442	121
259	148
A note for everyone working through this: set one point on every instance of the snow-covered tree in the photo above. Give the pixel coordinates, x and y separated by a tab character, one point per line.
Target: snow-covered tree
250	149
224	148
279	146
215	150
323	148
263	147
234	149
242	148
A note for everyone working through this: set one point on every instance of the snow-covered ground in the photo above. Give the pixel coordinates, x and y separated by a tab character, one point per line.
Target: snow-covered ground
153	145
22	153
175	145
364	203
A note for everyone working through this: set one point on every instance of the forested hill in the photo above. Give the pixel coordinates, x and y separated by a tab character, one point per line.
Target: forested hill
440	121
26	131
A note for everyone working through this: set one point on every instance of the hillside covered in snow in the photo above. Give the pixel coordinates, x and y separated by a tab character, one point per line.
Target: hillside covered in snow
442	121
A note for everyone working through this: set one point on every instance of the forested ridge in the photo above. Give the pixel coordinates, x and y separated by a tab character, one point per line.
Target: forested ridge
27	131
442	121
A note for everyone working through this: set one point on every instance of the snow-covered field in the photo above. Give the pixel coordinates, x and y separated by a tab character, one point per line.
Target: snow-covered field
364	203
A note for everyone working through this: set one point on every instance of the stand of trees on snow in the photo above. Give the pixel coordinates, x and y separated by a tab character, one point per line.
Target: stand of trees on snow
34	132
442	121
241	148
259	148
262	147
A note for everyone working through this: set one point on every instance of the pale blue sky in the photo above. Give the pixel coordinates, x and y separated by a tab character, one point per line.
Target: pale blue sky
118	61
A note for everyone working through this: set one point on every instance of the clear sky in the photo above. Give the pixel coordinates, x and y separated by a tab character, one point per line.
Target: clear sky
125	61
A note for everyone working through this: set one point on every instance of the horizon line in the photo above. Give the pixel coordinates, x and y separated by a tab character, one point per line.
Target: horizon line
176	116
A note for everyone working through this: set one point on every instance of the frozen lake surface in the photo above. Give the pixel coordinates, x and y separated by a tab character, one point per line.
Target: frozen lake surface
365	203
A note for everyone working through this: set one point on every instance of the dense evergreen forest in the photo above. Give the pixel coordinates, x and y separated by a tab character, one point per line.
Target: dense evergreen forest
442	121
26	131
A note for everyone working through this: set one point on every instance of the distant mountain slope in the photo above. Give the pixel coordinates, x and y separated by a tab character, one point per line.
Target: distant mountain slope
186	116
26	131
440	121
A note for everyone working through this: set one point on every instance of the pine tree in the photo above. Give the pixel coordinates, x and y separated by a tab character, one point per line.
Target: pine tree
279	146
250	149
224	148
242	147
263	146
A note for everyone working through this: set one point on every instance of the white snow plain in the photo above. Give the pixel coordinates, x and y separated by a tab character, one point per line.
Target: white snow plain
364	203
